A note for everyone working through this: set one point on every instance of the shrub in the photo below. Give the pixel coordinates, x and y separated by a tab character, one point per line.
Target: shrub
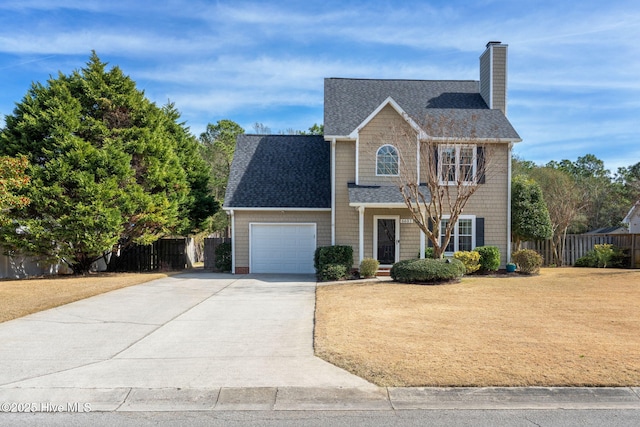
369	267
604	253
428	253
589	259
223	257
470	259
528	261
489	258
332	272
427	270
604	256
326	255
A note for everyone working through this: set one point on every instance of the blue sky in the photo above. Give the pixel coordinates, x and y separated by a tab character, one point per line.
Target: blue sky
574	66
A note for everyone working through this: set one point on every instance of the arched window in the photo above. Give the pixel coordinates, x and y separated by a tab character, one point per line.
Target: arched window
387	161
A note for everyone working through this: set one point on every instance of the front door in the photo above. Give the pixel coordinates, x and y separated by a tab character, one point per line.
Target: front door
385	239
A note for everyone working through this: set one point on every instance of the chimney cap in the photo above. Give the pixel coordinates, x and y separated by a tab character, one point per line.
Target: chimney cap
492	43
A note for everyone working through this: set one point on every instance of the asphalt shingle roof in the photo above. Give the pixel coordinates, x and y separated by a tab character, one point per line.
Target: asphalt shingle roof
280	171
348	102
382	194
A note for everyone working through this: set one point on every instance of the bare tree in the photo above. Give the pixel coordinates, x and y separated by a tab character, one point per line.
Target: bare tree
452	162
565	201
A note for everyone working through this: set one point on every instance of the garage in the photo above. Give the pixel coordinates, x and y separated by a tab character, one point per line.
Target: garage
282	248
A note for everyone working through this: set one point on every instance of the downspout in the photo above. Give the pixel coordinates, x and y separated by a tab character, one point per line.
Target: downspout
333	191
422	237
357	159
233	241
509	203
360	234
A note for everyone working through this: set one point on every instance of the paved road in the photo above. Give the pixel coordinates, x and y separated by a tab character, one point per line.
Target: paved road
415	418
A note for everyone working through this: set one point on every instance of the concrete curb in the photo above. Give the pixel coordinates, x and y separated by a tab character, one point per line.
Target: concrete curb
316	398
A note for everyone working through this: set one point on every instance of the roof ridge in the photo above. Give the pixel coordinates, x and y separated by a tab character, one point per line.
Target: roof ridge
400	80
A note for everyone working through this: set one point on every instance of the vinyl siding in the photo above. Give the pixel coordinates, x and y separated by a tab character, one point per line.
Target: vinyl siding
489	202
491	199
387	127
346	216
500	78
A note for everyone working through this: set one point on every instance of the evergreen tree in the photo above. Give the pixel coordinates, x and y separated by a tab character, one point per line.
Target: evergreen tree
529	214
105	167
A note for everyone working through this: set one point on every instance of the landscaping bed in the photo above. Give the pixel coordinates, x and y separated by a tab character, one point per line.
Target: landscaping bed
564	327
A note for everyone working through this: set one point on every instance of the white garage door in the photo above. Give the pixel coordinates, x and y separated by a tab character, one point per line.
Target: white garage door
282	248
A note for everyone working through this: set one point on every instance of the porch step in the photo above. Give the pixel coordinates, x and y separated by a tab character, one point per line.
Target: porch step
383	272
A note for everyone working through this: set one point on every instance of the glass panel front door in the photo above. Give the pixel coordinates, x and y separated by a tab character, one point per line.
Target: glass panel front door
386	241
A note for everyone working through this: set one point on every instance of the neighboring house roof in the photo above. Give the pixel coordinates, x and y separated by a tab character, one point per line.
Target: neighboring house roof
348	103
609	230
280	171
379	194
627	219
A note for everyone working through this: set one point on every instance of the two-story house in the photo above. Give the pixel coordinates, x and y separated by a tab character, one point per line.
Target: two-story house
288	195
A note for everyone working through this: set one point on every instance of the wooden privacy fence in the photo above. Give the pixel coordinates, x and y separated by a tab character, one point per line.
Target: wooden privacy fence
210	246
577	245
163	254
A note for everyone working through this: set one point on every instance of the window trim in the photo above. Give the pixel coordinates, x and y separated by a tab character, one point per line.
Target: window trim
458	148
397	155
455	235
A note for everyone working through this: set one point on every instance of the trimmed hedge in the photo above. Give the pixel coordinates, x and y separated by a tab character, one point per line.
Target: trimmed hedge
327	259
326	255
331	272
427	270
369	267
528	261
489	258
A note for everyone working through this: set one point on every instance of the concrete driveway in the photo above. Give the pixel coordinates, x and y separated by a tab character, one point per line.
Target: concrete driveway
194	330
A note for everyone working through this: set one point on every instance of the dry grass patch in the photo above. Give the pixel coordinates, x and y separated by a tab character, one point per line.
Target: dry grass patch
565	327
21	297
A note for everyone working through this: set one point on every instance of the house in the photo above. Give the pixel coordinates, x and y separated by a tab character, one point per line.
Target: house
288	195
633	219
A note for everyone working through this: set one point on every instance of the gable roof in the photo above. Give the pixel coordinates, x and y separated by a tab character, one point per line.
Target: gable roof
280	171
631	213
348	103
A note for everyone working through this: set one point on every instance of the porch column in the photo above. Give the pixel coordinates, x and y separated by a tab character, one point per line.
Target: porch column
233	241
360	234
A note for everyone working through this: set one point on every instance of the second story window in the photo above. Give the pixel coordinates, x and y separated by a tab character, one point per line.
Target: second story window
387	161
458	164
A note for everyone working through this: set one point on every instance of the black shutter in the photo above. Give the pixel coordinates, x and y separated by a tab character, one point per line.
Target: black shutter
479	232
481	165
430	226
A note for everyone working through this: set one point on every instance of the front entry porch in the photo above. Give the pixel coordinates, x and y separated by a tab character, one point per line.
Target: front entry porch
388	235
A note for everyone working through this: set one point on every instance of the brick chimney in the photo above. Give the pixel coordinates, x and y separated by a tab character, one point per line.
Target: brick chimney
493	76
